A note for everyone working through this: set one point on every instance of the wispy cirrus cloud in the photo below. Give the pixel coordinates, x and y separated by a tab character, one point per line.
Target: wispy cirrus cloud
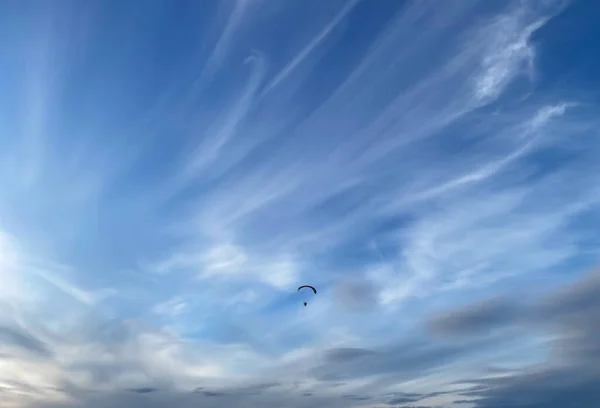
162	200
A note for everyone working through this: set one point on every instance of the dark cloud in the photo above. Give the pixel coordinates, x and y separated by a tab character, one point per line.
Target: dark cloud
250	390
259	388
265	386
571	376
356	397
19	337
402	398
416	406
354	294
547	388
480	317
346	354
407	396
213	394
143	390
402	359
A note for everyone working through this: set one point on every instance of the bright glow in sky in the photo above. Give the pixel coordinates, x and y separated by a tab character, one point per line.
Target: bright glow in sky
171	172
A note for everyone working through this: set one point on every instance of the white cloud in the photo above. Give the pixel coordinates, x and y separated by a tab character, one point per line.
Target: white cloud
308	49
479	238
234	22
221	132
9	261
271	203
509	54
245	296
171	307
275	191
224	259
230	261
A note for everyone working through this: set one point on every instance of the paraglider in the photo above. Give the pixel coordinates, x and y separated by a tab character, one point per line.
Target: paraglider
309	287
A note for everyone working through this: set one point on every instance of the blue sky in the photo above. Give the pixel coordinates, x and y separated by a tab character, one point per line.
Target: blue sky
171	172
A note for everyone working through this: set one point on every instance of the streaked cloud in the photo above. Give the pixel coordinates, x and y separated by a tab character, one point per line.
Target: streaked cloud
171	173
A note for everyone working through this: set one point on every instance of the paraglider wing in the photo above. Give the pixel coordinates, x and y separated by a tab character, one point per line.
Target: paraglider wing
308	286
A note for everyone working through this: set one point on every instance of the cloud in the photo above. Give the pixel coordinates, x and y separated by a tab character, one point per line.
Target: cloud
400	360
405	398
403	361
308	49
171	307
345	354
213	394
356	294
143	390
567	317
509	53
405	158
481	317
270	220
108	358
193	400
15	336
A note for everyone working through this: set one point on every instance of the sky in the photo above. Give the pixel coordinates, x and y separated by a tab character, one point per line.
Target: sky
171	172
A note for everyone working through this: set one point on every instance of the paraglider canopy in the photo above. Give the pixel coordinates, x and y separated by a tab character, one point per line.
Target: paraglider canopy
309	287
